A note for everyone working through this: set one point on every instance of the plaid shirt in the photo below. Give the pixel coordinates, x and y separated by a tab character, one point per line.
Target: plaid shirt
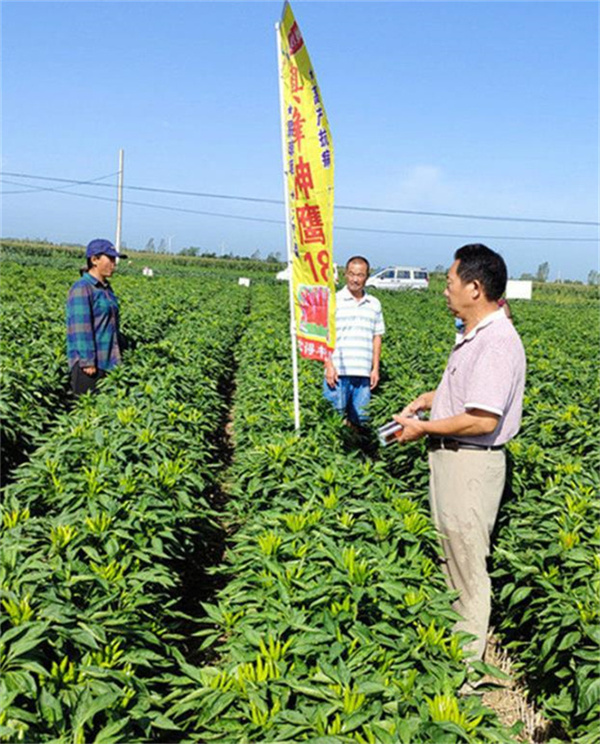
92	324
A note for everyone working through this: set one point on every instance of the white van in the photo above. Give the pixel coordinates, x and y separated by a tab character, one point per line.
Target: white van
400	277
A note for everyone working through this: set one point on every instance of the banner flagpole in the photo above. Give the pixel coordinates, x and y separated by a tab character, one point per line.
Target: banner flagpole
288	235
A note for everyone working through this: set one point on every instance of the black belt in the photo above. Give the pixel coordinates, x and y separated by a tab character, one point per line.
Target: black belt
447	443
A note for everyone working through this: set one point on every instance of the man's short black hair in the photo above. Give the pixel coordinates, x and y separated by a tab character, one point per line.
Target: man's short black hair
358	258
479	263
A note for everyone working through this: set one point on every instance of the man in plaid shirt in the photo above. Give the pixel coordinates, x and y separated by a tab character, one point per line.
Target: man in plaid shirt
93	319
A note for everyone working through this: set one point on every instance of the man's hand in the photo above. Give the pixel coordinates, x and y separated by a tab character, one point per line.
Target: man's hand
331	374
472	423
90	371
412	430
374	378
422	403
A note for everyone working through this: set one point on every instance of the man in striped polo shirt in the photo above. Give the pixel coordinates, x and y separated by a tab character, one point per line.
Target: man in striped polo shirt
353	369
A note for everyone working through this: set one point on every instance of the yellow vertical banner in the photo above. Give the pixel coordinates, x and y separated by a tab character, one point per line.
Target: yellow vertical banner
309	176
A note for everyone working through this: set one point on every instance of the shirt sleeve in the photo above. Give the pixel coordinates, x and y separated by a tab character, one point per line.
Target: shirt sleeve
490	384
80	325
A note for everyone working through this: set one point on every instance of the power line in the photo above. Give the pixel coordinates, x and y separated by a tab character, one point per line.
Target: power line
160	206
473	216
380	210
469	235
32	189
337	227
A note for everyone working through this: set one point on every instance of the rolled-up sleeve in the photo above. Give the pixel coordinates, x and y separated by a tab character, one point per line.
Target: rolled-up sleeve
80	327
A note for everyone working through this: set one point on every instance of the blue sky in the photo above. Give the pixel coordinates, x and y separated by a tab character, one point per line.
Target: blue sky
485	108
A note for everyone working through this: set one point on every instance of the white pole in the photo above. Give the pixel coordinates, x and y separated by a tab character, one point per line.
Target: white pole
119	202
288	234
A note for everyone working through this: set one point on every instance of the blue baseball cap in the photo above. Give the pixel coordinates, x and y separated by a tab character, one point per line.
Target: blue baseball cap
98	246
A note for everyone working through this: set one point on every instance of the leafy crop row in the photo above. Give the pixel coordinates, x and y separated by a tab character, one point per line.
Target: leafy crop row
33	372
547	547
335	625
548	551
33	359
100	530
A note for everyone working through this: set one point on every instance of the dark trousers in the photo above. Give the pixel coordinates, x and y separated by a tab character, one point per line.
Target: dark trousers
82	383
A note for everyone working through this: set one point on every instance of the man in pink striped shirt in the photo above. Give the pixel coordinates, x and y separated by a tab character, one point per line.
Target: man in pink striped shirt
475	411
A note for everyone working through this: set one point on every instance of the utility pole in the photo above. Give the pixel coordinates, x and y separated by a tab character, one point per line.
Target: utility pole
119	202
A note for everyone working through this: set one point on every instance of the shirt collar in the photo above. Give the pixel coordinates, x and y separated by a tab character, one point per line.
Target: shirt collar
92	280
347	295
488	320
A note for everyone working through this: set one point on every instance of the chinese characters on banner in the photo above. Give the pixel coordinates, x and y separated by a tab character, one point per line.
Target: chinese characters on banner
309	155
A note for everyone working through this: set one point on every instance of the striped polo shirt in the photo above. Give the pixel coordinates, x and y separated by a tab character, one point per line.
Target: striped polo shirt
357	322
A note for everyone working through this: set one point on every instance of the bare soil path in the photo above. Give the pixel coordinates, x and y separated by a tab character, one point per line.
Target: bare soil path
510	702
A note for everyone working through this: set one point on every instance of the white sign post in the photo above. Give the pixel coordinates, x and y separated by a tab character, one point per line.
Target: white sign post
518	289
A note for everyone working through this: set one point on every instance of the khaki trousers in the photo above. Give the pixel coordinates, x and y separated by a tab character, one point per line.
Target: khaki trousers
465	491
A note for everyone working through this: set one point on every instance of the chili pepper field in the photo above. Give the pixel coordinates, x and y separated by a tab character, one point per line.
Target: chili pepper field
178	565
